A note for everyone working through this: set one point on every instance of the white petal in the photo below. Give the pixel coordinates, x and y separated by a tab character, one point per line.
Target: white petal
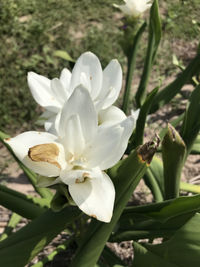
124	9
111	144
110	116
23	142
134	7
76	176
104	143
52	124
41	91
95	197
44	181
65	78
112	83
127	126
80	103
74	141
89	65
58	91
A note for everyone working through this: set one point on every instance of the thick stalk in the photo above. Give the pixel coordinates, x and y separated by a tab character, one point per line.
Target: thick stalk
131	66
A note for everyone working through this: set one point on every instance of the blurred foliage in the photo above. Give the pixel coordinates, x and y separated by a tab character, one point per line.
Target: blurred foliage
32	30
182	20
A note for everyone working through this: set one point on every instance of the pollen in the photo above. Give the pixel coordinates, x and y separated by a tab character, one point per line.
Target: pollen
45	153
86	174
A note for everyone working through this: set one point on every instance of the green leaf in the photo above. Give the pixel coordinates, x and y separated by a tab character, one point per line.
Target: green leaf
153	43
126	175
144	257
131	66
191	123
165	210
155	220
196	146
27	242
193	188
168	93
43	192
26	206
181	250
173	154
64	55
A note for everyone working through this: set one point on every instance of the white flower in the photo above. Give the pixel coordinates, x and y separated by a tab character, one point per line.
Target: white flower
79	153
134	8
103	86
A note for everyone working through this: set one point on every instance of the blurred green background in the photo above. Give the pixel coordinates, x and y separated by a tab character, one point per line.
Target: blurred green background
32	30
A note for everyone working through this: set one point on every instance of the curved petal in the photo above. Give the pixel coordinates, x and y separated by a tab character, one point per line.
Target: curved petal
104	143
126	10
22	143
110	144
51	125
80	103
87	71
73	140
65	78
112	83
95	197
127	127
60	94
110	116
77	176
41	91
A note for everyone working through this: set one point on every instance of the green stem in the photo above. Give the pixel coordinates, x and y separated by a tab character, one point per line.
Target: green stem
166	94
153	185
153	43
140	234
131	66
14	220
51	256
26	206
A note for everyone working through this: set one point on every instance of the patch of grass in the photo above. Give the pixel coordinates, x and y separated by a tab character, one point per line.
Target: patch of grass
182	19
31	30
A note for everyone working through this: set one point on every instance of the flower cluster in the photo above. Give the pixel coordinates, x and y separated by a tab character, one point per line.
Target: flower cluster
85	134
